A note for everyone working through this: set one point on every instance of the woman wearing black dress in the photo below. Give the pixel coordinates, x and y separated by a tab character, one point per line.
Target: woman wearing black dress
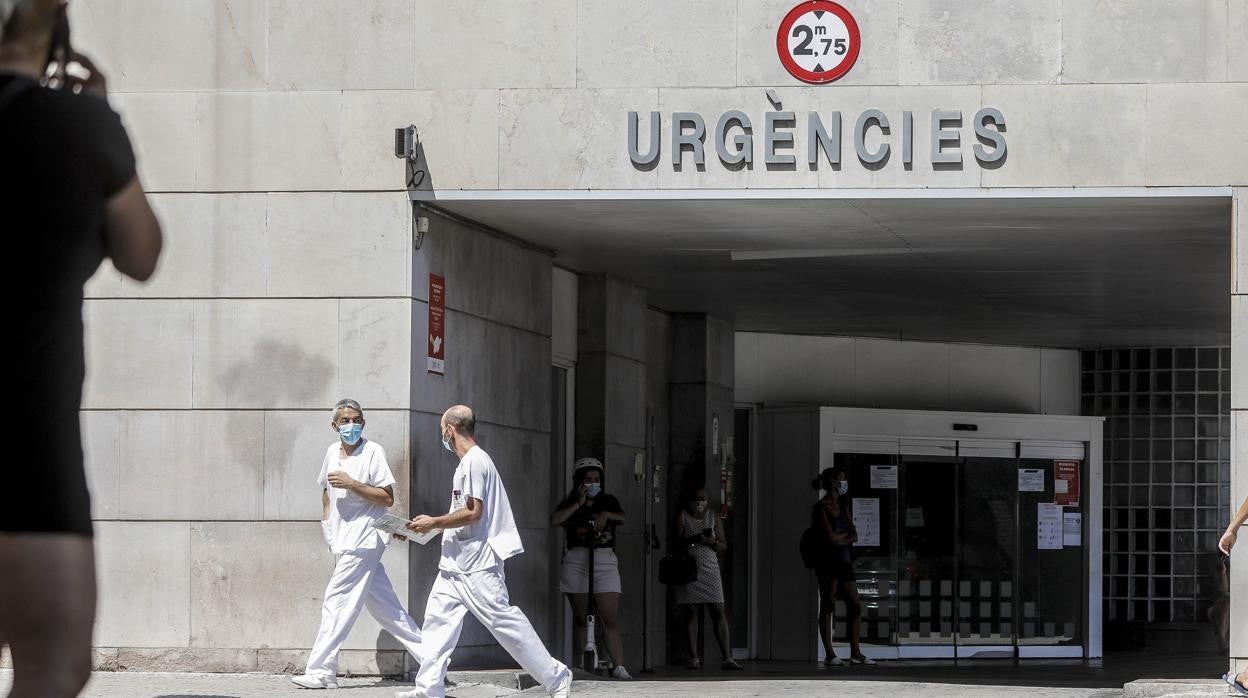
834	530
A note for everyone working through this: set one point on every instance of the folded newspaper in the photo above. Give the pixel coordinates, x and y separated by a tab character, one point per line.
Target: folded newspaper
397	524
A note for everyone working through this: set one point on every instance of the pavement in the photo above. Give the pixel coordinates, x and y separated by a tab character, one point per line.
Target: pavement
145	685
1120	677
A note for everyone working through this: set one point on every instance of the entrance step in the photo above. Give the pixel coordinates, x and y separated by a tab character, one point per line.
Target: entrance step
1174	688
504	678
514	679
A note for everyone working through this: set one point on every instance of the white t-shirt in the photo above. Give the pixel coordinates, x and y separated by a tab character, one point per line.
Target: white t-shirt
493	538
350	515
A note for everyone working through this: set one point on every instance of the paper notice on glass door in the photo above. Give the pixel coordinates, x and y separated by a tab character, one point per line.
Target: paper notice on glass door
1048	527
1030	479
867	521
1072	529
883	477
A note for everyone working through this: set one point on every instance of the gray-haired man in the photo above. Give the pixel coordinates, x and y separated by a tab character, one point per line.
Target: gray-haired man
356	488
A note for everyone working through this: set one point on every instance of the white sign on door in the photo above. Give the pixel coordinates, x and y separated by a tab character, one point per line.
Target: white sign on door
1048	526
1072	529
1031	479
867	521
883	477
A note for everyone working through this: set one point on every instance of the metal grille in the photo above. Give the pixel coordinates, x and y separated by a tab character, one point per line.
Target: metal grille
1167	475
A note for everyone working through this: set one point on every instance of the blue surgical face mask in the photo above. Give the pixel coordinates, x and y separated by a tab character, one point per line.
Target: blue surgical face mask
592	489
842	487
446	443
350	433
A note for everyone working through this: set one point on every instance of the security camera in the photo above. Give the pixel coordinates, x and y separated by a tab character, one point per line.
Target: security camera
420	226
405	142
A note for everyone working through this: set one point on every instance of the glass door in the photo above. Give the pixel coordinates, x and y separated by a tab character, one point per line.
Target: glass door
927	549
1050	571
873	503
987	534
737	526
958	566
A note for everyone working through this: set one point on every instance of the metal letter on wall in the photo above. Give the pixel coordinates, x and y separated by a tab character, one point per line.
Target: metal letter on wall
989	136
942	136
682	140
817	138
860	136
773	137
743	141
907	137
652	153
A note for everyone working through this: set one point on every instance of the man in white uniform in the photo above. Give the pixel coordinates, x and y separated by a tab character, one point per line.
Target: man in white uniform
479	534
356	488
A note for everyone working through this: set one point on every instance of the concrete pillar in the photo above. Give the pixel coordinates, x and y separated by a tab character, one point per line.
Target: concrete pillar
498	361
1239	424
702	372
658	401
611	425
701	389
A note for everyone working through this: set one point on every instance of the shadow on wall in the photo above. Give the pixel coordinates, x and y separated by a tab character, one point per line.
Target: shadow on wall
251	382
419	174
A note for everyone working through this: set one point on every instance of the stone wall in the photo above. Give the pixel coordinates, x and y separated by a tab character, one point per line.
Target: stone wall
1239	423
268	95
264	129
498	330
206	416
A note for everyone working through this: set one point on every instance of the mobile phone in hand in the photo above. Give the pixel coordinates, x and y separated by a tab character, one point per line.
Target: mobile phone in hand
59	50
64	69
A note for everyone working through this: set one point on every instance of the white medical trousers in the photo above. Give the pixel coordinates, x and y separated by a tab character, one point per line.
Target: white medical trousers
359	582
484	593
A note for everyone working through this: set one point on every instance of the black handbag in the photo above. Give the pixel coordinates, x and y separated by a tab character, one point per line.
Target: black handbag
808	546
678	567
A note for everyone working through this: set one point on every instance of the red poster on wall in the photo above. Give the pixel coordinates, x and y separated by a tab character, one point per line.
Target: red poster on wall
1066	483
437	325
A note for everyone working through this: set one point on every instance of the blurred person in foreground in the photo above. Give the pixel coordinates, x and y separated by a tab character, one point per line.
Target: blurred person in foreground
71	198
1238	682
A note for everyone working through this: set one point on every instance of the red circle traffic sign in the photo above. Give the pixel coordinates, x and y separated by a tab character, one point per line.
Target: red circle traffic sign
818	41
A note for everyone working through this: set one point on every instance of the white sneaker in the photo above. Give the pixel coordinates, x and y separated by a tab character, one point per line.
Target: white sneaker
563	689
314	681
414	693
621	673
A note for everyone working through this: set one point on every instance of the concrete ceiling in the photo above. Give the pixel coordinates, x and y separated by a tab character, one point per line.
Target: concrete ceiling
1056	272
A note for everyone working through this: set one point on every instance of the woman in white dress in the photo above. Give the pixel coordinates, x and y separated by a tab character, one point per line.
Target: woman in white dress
697	528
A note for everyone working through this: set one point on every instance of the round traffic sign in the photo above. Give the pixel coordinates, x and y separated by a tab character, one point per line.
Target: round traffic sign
818	41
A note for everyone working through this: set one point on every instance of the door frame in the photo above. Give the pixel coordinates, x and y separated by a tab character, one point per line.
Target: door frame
881	427
563	622
754	568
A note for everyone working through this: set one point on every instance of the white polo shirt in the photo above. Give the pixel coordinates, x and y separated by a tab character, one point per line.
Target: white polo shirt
494	537
350	515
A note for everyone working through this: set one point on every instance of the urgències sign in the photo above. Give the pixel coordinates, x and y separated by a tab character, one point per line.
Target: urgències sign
735	141
818	41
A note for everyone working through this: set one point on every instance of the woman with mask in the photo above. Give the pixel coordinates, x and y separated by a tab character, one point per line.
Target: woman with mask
588	516
697	527
834	529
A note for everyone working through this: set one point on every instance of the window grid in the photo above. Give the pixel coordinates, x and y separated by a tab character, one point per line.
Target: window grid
1167	475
